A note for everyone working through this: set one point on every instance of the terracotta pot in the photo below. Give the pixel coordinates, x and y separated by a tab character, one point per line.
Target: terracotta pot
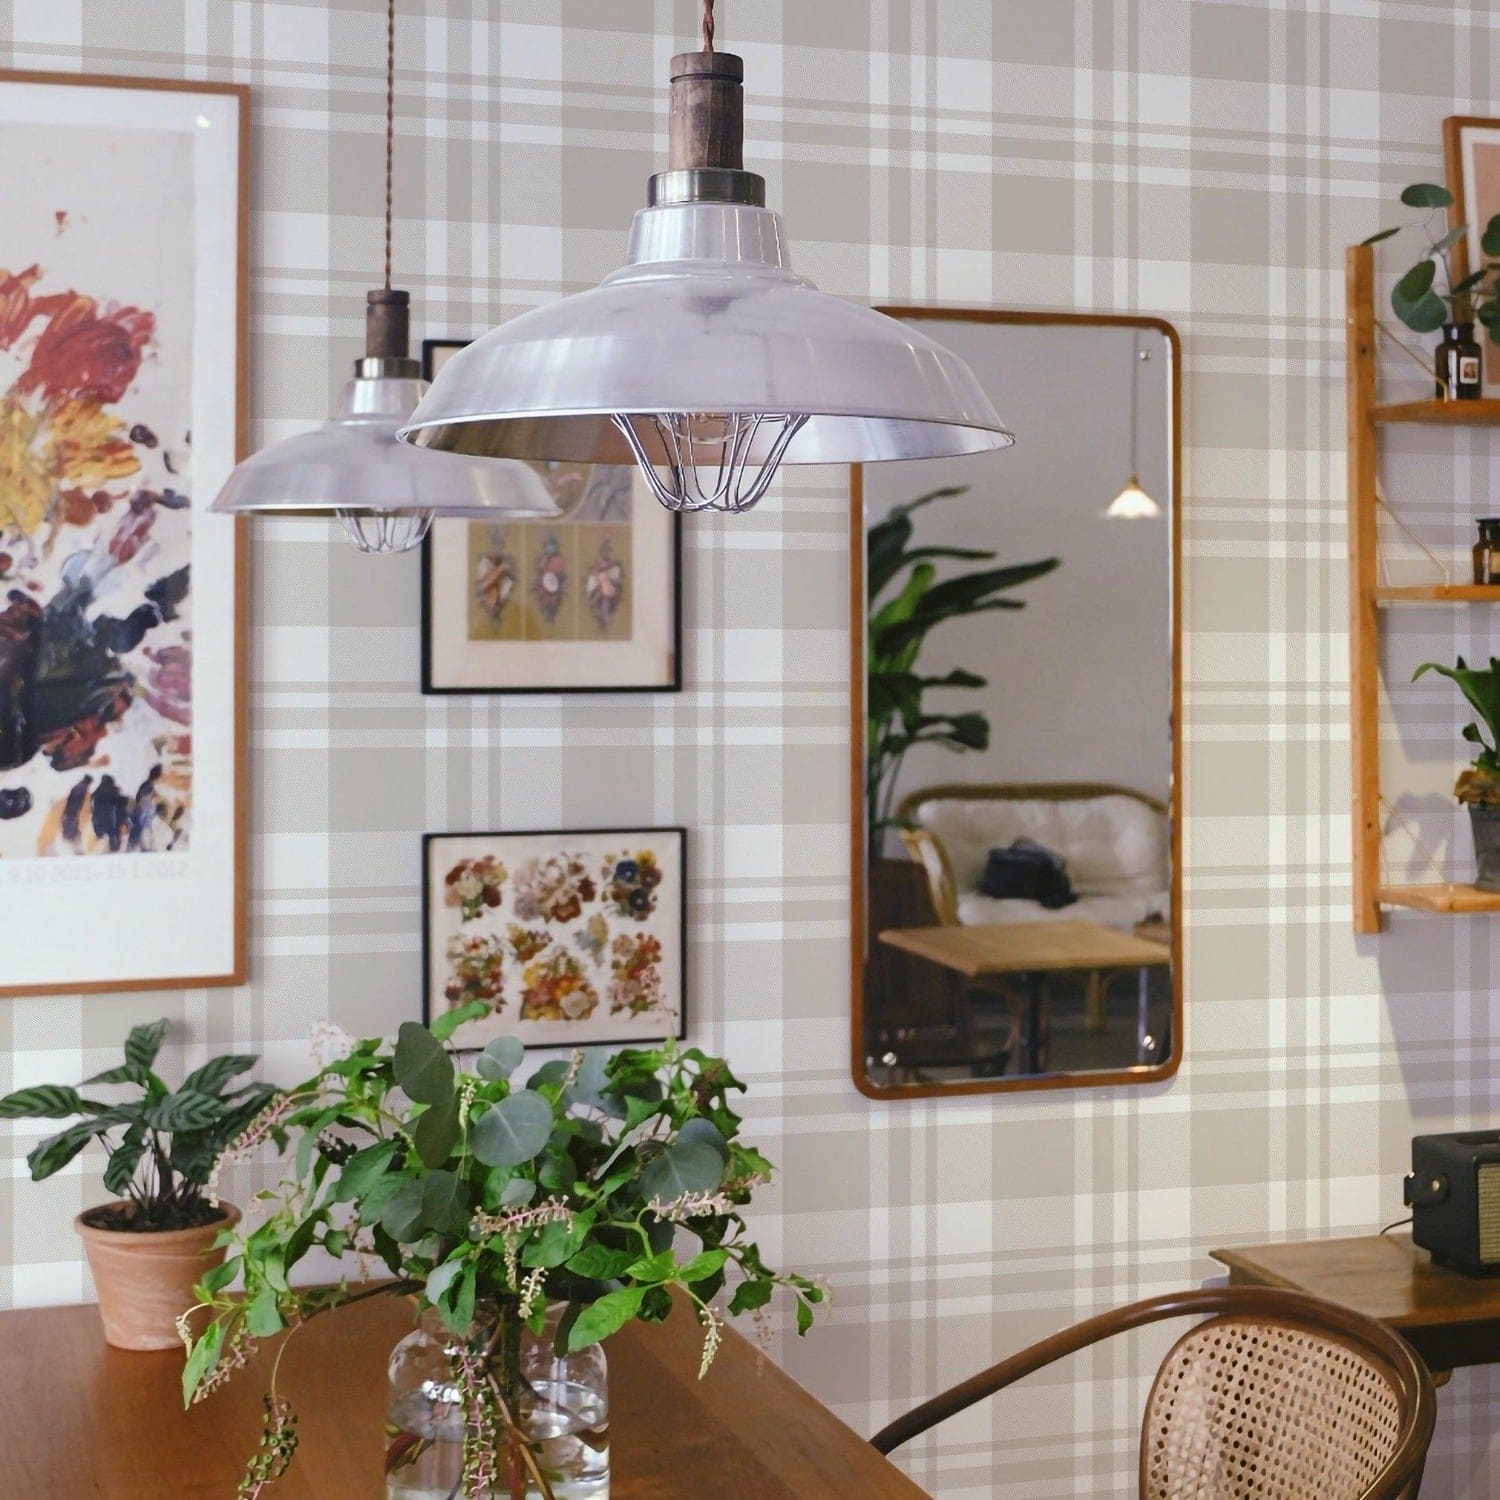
145	1280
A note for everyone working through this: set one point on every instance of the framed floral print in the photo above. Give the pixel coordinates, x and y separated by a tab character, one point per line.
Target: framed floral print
123	254
570	938
589	602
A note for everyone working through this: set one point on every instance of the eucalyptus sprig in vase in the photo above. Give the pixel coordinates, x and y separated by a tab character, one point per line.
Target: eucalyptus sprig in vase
604	1188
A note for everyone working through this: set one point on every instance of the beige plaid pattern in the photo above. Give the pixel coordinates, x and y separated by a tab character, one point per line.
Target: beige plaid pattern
1204	161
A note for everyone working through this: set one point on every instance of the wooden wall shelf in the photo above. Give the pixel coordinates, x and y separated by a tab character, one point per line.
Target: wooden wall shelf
1442	413
1438	593
1449	900
1368	597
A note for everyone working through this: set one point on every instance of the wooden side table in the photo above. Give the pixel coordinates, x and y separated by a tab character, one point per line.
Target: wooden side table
1036	949
1450	1319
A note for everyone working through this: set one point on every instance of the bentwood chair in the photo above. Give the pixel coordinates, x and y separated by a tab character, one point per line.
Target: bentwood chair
1278	1396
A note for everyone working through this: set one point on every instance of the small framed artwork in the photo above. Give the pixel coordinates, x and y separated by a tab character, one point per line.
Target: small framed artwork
587	603
570	939
123	255
1471	152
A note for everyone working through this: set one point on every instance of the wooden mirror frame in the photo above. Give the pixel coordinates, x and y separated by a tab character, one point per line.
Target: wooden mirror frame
1100	1078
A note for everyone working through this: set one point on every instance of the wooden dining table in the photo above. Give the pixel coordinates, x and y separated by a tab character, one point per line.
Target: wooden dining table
1035	950
80	1420
1450	1319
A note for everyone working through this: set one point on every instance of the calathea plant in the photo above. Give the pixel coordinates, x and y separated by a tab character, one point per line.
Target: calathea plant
161	1143
611	1184
1419	299
906	601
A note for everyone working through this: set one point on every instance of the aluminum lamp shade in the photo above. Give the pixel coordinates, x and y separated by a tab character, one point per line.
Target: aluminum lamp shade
706	323
385	491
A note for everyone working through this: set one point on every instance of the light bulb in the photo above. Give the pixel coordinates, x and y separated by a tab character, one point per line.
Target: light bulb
711	460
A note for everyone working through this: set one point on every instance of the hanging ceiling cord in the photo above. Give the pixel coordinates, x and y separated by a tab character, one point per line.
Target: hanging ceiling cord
390	125
708	25
1135	370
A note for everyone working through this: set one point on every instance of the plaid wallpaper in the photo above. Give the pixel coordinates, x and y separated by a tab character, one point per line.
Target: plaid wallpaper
1204	161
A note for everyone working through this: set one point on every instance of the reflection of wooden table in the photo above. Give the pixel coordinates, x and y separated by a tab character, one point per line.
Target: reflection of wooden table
1450	1319
1036	949
78	1418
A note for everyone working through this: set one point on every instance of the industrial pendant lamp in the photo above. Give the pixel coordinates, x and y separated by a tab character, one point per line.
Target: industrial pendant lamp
706	360
384	491
1133	503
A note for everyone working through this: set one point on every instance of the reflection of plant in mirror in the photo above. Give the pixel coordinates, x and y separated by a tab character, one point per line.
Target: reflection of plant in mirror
898	627
1480	782
1415	298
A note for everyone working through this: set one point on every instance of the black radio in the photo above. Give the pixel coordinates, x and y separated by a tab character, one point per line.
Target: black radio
1453	1191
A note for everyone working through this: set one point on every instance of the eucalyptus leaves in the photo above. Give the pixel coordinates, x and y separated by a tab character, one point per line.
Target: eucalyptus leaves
488	1198
1418	299
161	1143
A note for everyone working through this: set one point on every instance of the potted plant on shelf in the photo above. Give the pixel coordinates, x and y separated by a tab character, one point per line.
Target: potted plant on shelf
1478	785
148	1247
1425	305
526	1221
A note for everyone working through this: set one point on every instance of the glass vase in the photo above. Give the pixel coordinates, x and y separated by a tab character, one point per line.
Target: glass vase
561	1403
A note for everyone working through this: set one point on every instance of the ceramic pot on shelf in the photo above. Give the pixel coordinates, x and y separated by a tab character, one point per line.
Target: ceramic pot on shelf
145	1278
1484	817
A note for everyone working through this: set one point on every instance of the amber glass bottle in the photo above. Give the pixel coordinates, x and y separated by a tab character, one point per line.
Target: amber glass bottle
1487	551
1456	363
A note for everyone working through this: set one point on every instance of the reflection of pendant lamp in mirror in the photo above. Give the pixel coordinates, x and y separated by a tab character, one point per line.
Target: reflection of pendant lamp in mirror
1133	503
706	360
385	492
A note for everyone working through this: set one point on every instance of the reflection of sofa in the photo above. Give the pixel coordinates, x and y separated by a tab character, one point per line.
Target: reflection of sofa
1115	841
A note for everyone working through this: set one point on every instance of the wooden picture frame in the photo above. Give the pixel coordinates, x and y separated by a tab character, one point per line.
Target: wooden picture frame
153	891
1471	163
585	928
463	651
1138	1074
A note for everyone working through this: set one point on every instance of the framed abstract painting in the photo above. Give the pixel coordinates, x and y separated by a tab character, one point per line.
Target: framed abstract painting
570	939
122	604
587	603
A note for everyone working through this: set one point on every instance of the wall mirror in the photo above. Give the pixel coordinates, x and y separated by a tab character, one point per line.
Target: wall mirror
1015	654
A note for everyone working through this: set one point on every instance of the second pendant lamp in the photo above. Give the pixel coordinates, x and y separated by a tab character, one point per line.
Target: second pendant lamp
385	492
706	360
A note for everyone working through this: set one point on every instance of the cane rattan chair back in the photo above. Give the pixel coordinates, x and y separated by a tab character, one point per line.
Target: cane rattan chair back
1278	1396
927	849
1254	1408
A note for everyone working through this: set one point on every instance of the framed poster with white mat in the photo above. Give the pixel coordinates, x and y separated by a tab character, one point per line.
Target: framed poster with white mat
571	938
588	602
122	602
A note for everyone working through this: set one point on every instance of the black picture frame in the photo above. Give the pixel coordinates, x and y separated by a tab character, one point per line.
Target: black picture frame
677	831
431	689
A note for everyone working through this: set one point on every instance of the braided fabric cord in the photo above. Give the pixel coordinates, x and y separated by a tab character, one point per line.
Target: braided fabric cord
1246	1410
390	127
708	25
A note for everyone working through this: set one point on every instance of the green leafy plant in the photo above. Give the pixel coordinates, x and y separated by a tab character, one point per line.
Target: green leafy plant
906	602
1418	299
1480	782
610	1183
161	1144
